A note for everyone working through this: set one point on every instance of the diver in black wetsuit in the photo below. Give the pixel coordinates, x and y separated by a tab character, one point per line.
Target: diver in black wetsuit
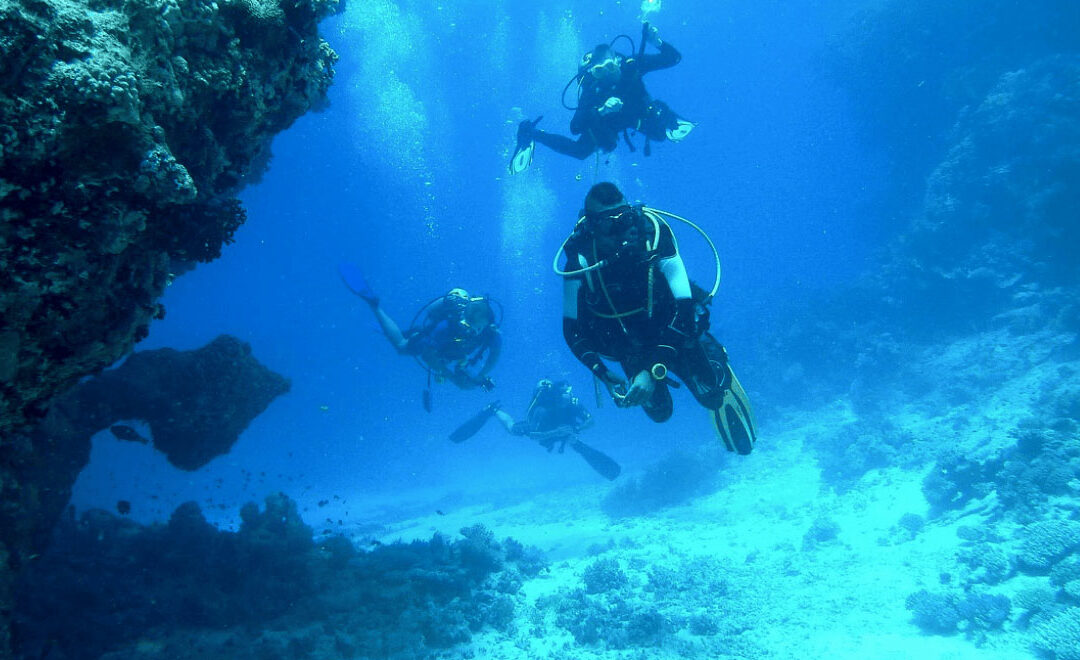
554	416
627	298
612	100
455	337
554	419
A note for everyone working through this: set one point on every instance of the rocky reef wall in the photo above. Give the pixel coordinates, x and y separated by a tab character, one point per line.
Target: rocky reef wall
982	131
127	128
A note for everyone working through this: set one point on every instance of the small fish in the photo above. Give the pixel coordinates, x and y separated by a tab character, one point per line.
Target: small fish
324	408
123	507
440	512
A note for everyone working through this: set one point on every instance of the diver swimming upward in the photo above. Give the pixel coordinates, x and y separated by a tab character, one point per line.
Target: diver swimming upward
454	337
612	100
627	298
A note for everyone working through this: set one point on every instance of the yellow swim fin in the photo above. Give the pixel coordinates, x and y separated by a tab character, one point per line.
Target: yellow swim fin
734	420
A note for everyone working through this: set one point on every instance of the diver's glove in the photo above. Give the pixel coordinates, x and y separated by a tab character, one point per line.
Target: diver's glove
613	104
486	384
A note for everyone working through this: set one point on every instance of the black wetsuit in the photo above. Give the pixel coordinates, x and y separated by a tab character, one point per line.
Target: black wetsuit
639	112
442	339
551	411
674	334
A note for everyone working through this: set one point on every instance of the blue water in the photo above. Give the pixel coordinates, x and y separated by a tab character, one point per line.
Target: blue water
405	175
889	200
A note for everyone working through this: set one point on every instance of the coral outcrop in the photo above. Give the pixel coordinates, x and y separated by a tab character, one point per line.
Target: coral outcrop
196	404
127	128
111	588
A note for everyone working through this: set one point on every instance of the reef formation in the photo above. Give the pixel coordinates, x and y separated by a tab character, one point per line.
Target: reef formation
127	129
111	588
196	404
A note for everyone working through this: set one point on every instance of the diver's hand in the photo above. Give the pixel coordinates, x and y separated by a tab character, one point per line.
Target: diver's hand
653	37
486	383
641	389
616	386
613	104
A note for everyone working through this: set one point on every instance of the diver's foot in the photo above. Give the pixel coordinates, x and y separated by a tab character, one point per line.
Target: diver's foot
526	129
681	130
523	152
357	283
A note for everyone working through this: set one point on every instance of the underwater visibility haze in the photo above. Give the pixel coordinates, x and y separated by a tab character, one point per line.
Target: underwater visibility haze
288	372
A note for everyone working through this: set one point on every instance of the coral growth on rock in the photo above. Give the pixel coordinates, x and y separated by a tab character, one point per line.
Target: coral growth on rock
127	128
196	404
109	587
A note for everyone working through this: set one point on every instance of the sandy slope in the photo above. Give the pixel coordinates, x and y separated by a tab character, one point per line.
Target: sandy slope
840	598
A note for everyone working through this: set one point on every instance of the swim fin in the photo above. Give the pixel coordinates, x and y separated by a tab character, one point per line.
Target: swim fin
523	152
681	130
475	423
598	460
357	283
734	420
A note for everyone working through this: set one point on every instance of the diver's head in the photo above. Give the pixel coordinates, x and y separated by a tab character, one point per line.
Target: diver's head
606	210
602	63
478	314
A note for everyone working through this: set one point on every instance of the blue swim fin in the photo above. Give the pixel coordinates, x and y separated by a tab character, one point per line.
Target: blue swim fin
357	283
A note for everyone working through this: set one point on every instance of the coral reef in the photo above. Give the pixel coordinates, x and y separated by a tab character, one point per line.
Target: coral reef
1059	637
822	530
196	404
1043	464
646	606
983	217
1047	542
127	128
867	444
947	613
109	587
602	576
882	60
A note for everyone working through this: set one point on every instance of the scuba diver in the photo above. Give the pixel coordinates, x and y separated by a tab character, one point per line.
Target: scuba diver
612	99
554	417
454	337
627	298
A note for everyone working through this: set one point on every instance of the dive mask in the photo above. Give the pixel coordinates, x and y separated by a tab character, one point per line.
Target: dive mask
604	69
611	222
